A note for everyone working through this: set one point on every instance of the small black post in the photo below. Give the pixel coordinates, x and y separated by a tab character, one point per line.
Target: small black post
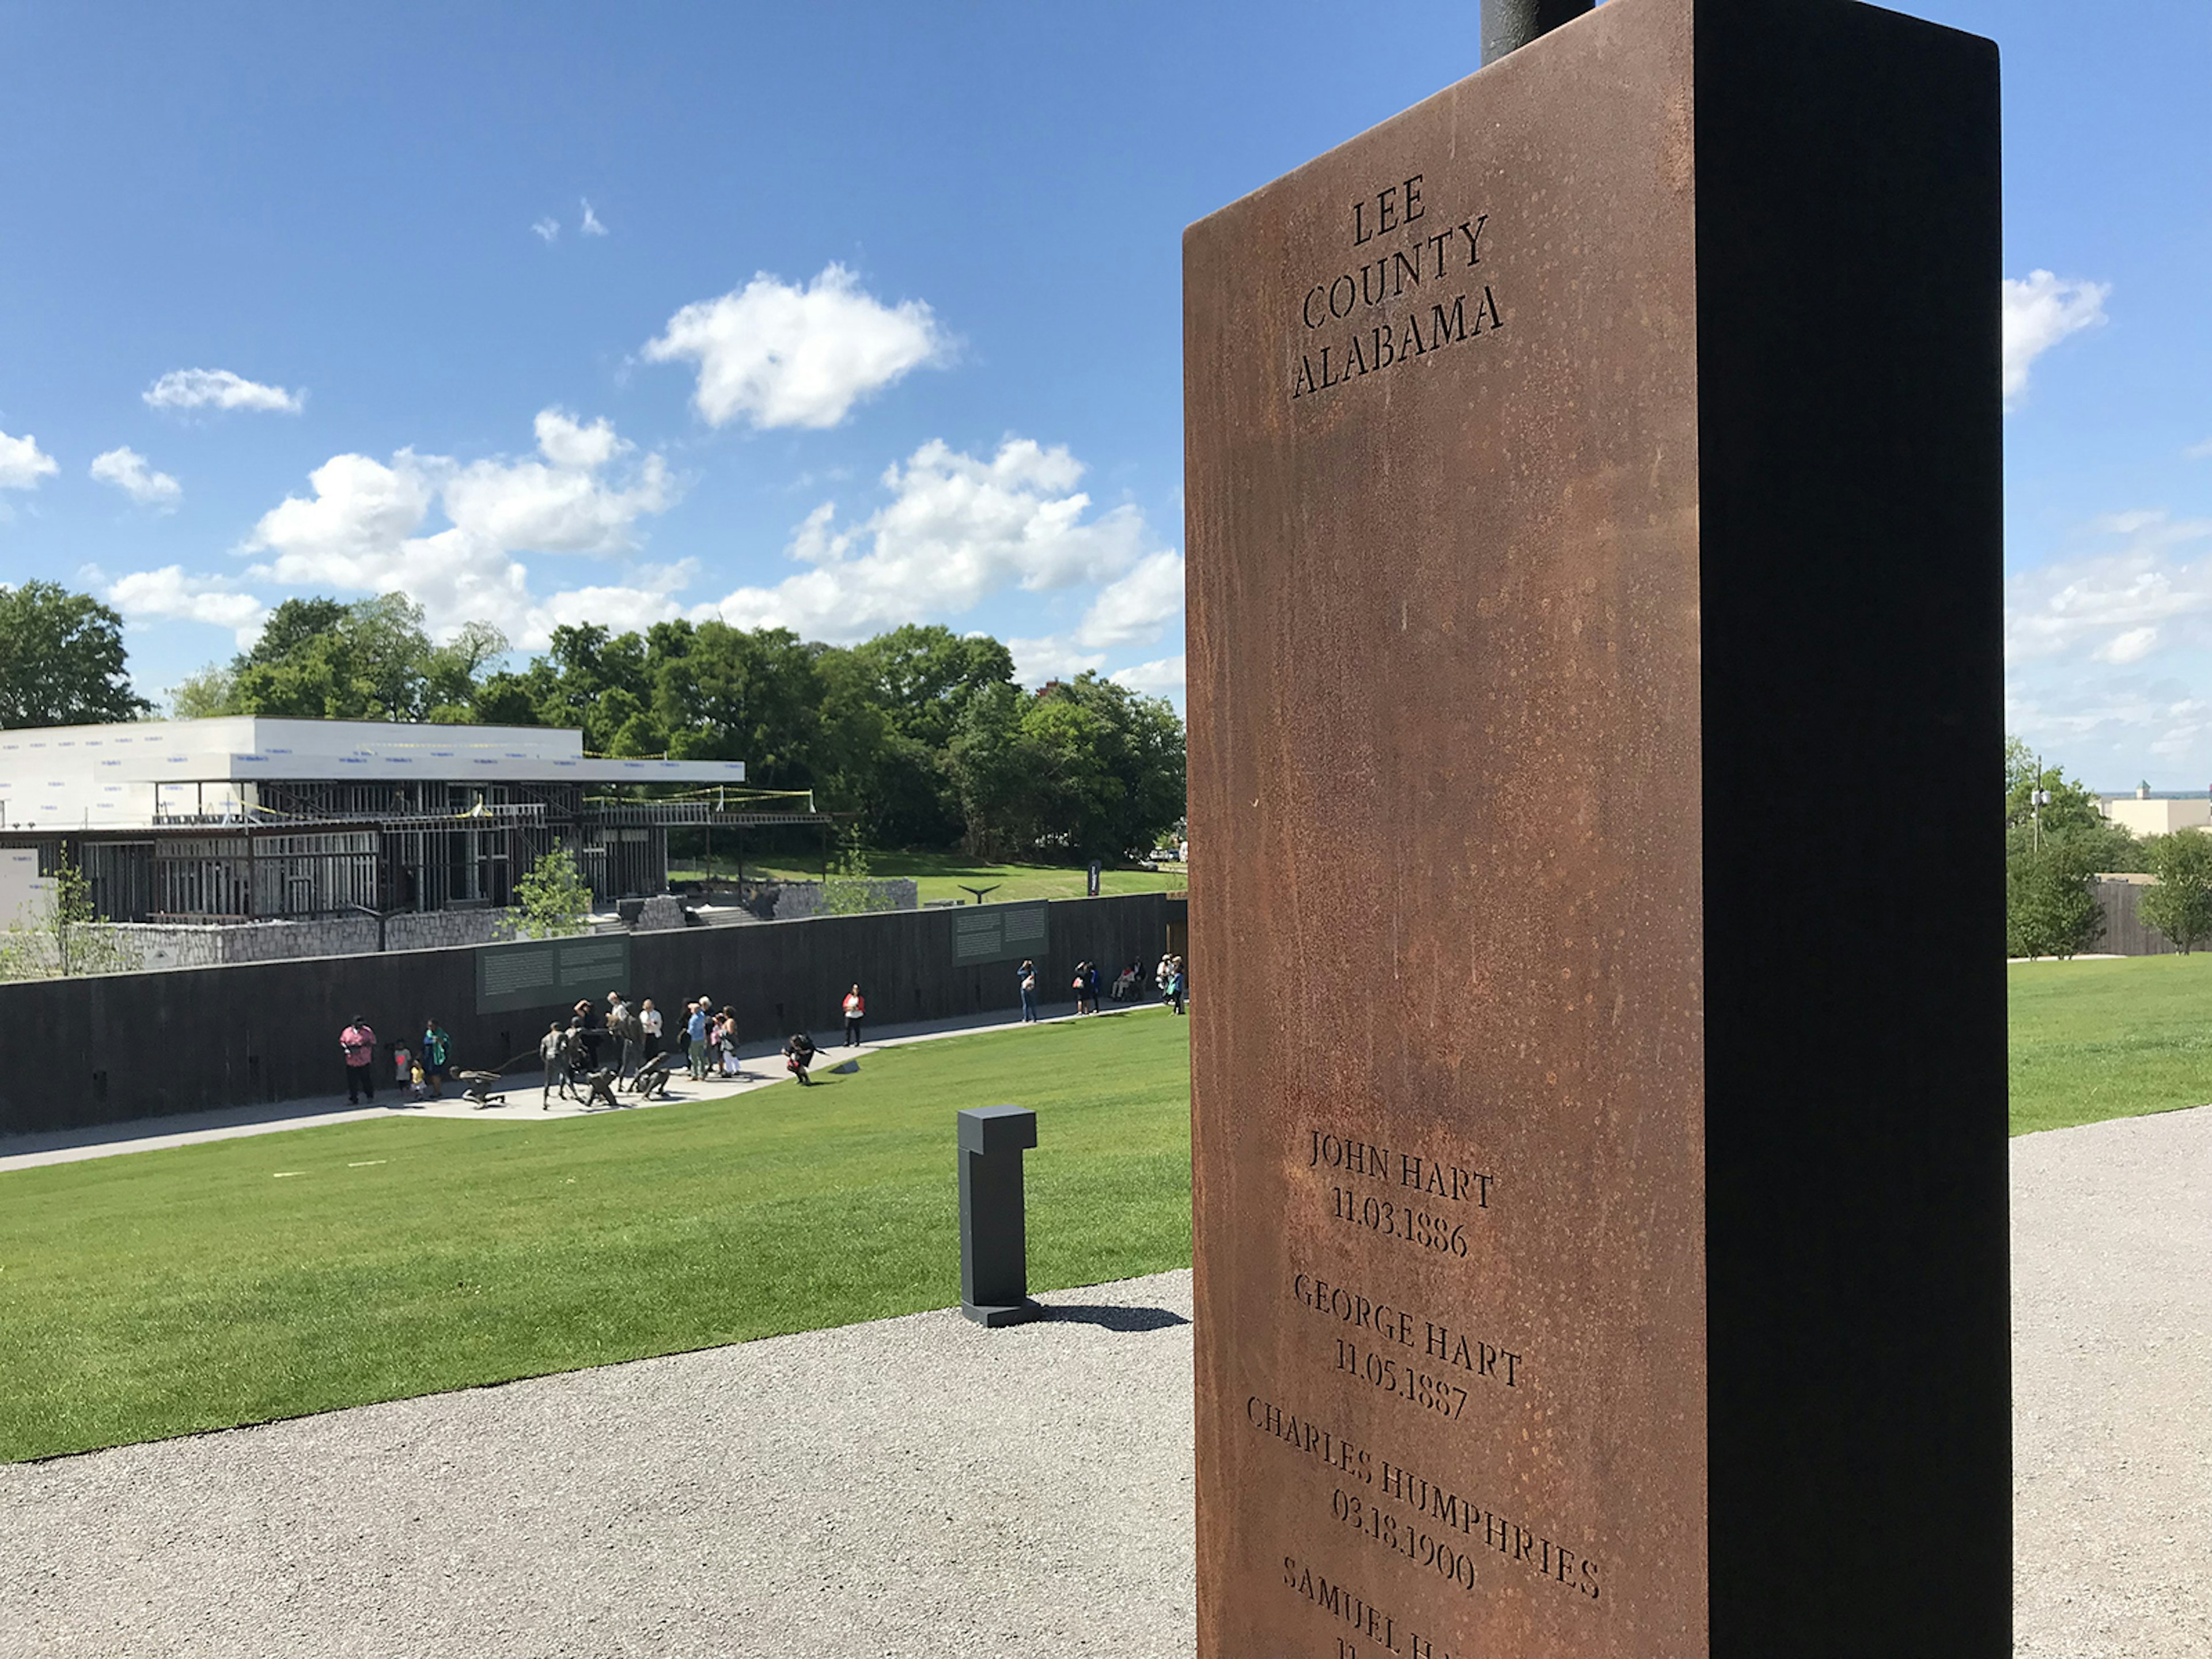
995	1273
1509	25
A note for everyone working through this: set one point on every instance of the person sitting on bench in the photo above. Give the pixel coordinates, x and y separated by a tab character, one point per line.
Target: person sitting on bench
799	1055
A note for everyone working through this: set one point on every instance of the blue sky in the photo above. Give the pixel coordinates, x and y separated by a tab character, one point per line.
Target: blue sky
953	393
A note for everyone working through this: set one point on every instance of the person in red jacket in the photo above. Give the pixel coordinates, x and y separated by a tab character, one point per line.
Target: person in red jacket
856	1009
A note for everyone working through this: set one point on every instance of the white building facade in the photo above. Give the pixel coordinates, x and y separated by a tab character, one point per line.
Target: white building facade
251	818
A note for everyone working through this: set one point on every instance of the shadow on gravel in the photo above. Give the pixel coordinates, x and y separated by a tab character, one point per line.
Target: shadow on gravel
1118	1319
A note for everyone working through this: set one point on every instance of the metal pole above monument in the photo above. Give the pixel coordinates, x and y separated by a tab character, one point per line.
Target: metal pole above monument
1509	25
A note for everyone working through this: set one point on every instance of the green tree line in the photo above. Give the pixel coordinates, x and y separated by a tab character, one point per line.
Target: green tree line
921	733
2055	848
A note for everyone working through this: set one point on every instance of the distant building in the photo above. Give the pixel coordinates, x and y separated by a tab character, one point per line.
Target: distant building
249	818
2147	814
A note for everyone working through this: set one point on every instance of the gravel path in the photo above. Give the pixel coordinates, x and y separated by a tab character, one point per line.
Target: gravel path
2112	1267
920	1487
917	1487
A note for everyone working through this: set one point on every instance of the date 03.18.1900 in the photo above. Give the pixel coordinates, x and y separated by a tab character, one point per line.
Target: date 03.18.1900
1418	1228
1395	1377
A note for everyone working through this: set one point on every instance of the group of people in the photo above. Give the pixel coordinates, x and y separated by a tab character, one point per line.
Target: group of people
595	1047
418	1073
1172	980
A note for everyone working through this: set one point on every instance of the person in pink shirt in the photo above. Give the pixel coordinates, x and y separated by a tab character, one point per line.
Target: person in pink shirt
357	1043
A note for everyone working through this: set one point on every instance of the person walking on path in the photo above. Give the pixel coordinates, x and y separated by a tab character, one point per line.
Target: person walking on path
1166	977
1026	974
553	1049
437	1056
695	1033
357	1043
1178	985
856	1010
1091	983
648	1020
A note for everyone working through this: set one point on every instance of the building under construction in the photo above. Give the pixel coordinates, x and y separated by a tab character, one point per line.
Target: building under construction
247	818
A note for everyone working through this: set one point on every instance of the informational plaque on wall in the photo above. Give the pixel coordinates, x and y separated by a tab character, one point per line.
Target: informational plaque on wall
1599	1214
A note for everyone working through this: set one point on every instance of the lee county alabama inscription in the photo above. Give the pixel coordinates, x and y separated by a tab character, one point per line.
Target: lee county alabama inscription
1399	251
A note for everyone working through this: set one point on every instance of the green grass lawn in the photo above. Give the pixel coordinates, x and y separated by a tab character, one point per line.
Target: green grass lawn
163	1293
2096	1040
160	1293
940	876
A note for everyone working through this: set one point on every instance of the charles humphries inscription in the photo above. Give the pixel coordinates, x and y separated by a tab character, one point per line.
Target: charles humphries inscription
1414	288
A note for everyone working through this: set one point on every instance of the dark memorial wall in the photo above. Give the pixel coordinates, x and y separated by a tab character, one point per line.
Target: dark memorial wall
1593	527
120	1047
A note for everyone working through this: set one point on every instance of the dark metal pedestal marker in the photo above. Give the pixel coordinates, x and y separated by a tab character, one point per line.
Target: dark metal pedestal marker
1509	25
994	1270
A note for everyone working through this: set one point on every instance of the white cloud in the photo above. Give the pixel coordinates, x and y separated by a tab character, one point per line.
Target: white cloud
360	529
23	463
2039	312
2119	604
549	231
591	226
956	530
2199	451
1133	609
127	471
560	504
1037	661
2131	646
623	610
218	388
783	357
169	591
1163	678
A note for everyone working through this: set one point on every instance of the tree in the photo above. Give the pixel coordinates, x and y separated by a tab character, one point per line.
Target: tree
2180	905
726	693
2050	910
318	658
846	889
61	660
551	900
1084	769
69	938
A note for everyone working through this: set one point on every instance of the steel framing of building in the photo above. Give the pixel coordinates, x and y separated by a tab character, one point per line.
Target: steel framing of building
299	847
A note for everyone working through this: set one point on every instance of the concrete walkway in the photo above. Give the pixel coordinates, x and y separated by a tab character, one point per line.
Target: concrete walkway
2112	1354
762	1065
921	1487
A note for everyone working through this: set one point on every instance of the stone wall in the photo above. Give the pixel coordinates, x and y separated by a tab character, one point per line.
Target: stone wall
164	944
798	900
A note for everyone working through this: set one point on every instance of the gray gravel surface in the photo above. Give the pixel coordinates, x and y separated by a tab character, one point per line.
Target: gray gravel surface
917	1487
2112	1264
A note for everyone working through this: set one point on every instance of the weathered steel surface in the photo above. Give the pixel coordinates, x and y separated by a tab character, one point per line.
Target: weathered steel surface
1444	641
1565	507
